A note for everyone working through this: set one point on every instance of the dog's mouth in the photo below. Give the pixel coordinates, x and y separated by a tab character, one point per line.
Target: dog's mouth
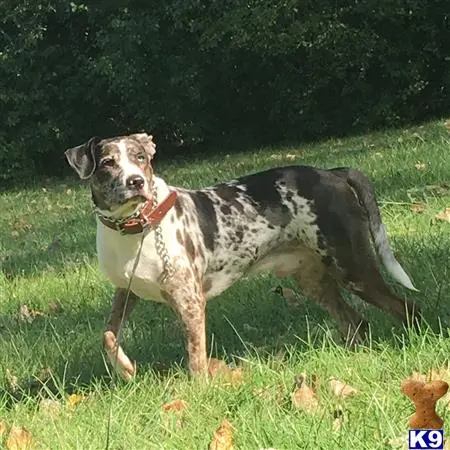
136	196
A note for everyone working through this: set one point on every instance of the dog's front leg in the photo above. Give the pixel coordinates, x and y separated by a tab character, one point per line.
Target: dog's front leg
121	308
185	297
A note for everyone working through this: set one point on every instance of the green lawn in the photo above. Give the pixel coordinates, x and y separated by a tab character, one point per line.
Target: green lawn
47	257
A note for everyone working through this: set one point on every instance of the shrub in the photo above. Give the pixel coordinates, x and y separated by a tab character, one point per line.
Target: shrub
197	72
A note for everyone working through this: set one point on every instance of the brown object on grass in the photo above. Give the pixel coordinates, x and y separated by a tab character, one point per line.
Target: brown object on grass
424	396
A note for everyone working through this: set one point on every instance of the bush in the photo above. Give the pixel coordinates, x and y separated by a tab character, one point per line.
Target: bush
197	72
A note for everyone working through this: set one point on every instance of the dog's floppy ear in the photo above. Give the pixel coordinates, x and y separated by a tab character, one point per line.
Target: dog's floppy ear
146	140
82	158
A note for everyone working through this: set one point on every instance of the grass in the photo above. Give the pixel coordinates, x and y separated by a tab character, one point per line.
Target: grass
47	256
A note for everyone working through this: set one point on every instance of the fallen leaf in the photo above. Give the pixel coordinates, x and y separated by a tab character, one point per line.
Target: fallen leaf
223	437
420	165
28	315
3	428
24	314
339	419
49	407
11	380
217	367
444	215
174	406
418	208
19	438
315	382
341	389
237	376
304	397
74	399
22	225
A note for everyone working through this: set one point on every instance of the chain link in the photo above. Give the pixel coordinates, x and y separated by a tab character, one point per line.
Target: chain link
161	248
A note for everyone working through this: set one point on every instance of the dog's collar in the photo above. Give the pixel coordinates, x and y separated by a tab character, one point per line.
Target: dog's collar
141	219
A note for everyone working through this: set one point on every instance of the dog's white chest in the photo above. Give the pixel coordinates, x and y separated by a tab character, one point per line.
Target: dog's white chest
117	256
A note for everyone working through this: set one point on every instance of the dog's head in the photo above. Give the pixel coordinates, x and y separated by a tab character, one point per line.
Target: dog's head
119	170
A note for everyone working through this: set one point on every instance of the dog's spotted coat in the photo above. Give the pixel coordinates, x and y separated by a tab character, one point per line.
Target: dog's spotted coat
319	226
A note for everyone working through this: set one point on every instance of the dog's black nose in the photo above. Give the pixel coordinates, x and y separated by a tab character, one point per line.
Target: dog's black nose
135	181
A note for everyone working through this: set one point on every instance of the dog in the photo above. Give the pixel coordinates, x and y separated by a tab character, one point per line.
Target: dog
322	227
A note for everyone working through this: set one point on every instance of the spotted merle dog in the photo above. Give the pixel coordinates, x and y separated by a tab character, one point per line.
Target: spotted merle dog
183	247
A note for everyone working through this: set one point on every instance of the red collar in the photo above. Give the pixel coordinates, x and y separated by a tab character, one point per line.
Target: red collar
147	216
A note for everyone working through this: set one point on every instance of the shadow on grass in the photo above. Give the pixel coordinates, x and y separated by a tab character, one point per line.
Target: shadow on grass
240	324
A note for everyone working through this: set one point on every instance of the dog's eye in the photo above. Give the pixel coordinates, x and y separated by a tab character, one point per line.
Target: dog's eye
107	162
142	157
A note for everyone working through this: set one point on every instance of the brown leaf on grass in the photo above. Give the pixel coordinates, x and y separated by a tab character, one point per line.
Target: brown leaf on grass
304	397
420	165
22	225
417	208
237	376
341	389
223	437
339	419
28	315
11	380
49	407
3	428
444	215
19	438
174	415
74	399
217	367
174	406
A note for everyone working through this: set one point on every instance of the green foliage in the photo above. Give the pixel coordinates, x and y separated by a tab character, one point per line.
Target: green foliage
191	71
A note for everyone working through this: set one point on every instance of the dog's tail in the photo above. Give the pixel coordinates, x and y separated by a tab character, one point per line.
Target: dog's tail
364	190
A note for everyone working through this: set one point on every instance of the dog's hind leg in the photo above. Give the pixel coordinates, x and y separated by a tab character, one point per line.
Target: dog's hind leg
121	310
321	287
374	290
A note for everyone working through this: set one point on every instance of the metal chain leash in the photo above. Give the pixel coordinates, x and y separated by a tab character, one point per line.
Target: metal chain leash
161	248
